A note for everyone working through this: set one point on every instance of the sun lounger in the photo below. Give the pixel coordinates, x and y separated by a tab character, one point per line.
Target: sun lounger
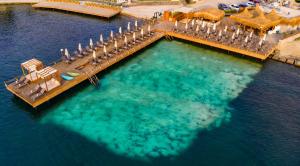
99	45
38	95
77	54
88	49
34	91
94	62
21	80
67	61
22	84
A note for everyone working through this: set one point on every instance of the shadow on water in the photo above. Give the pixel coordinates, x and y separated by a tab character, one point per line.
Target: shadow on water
266	115
74	149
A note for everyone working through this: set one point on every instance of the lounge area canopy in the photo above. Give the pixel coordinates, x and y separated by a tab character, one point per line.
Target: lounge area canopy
257	19
50	76
295	21
30	67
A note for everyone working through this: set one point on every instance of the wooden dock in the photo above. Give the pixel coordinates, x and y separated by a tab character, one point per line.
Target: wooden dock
89	69
85	73
221	46
99	11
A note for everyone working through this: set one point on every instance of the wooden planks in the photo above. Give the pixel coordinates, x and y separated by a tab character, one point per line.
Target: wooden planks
104	12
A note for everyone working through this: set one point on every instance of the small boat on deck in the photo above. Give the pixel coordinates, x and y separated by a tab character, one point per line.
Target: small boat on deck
73	74
66	77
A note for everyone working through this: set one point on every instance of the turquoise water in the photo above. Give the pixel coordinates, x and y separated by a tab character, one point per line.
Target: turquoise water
156	103
259	127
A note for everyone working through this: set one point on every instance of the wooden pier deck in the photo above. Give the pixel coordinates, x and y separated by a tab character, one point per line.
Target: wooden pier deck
91	69
105	12
222	46
85	73
166	27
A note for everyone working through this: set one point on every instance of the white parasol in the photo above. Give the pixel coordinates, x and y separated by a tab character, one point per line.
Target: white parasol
197	28
128	27
101	38
142	32
135	24
94	55
120	30
251	33
125	40
246	39
116	44
67	53
149	29
111	34
79	47
208	30
260	42
265	37
91	42
104	49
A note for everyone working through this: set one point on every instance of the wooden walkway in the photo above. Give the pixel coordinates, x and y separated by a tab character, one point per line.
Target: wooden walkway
89	68
105	12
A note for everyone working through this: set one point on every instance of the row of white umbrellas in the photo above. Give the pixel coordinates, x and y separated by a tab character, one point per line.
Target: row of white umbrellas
91	44
203	24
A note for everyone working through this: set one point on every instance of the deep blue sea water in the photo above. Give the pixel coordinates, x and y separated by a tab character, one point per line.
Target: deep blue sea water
171	104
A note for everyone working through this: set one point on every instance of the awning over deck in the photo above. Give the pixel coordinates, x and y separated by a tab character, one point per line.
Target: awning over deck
46	72
32	65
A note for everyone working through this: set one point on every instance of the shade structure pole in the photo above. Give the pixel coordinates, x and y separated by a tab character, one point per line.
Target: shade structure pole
46	84
30	76
22	70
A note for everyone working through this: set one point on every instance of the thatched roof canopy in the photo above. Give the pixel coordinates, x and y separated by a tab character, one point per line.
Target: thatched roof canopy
212	14
273	15
32	65
257	19
291	21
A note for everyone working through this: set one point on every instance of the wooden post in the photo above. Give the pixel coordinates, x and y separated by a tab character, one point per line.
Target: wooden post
30	76
46	84
22	70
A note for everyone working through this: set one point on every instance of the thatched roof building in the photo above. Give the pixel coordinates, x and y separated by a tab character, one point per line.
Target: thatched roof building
211	14
261	21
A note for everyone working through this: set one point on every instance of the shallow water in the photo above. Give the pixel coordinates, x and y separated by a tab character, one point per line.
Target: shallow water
173	104
156	103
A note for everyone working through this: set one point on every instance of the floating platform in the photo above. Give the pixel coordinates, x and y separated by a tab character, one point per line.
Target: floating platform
85	73
82	8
